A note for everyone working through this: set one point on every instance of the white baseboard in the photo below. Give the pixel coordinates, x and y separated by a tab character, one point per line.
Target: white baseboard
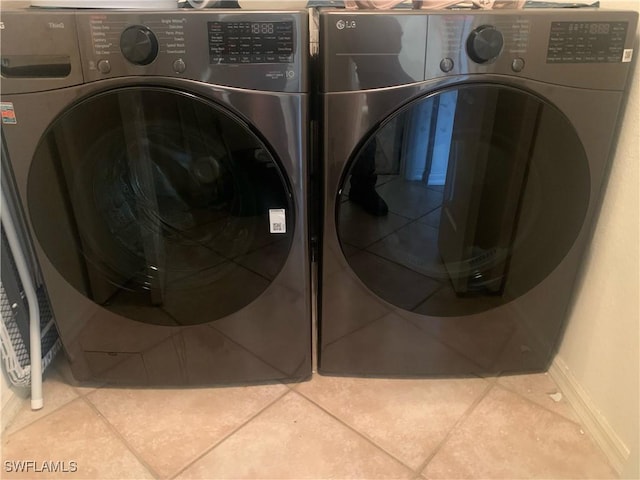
592	420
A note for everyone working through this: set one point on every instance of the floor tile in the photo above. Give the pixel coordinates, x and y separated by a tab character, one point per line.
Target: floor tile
169	428
538	388
407	418
74	433
507	436
56	392
295	439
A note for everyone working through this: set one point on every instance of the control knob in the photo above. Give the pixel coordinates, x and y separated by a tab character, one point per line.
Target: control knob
484	44
139	45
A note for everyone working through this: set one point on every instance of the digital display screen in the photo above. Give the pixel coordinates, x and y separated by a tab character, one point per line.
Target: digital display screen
250	42
586	42
265	28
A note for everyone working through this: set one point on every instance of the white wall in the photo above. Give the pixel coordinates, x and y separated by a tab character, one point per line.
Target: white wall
601	347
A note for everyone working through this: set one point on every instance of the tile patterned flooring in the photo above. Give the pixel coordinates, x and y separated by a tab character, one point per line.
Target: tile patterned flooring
328	427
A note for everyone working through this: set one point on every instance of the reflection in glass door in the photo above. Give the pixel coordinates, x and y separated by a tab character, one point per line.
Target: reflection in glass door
160	206
463	200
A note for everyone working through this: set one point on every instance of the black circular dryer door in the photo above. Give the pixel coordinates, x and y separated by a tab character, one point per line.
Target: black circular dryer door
160	206
464	200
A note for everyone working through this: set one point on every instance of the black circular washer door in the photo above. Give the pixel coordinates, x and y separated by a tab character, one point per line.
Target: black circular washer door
463	200
160	206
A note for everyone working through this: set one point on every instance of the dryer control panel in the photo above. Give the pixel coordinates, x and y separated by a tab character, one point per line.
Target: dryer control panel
581	48
578	48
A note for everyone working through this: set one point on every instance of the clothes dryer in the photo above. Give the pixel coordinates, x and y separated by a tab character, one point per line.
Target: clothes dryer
464	157
161	159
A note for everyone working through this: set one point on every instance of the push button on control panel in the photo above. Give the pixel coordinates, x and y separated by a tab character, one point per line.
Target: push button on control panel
446	64
517	65
179	66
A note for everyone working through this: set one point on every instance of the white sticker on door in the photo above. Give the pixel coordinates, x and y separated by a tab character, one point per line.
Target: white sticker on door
627	55
277	220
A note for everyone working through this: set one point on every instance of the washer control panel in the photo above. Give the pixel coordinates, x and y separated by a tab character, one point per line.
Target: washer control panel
256	50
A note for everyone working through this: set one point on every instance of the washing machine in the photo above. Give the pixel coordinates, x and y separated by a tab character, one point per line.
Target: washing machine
160	157
465	154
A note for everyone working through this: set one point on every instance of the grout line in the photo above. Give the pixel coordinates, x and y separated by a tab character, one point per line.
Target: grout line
7	434
360	434
524	397
231	433
584	430
463	418
12	408
122	439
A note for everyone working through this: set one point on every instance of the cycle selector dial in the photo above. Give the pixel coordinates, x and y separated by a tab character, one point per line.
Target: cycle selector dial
139	45
484	44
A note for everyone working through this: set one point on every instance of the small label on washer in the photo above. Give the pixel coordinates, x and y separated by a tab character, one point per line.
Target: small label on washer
8	113
627	55
277	220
